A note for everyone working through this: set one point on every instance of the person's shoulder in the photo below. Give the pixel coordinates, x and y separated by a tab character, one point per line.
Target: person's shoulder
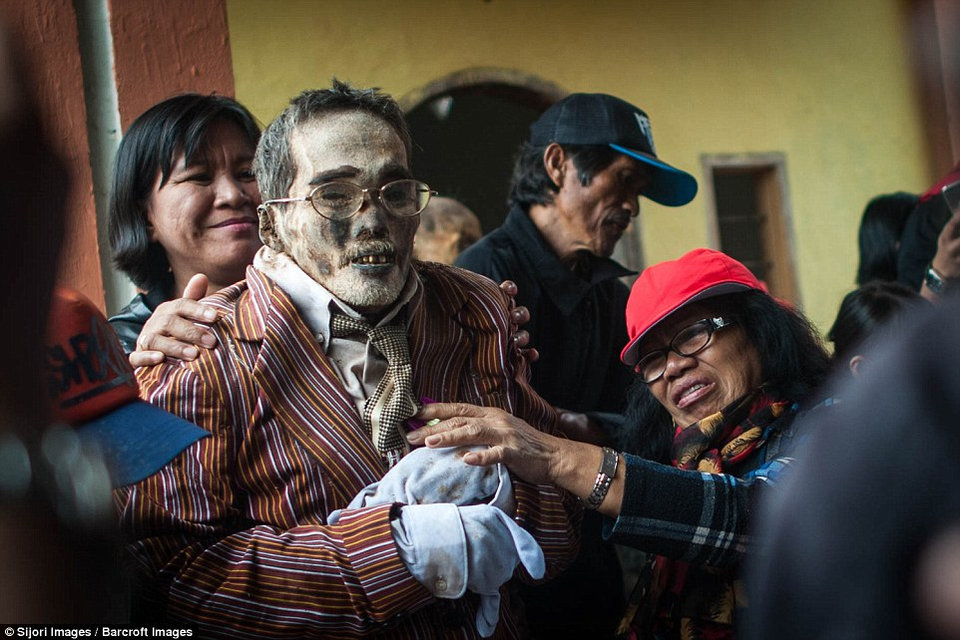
471	301
128	322
453	291
455	278
491	248
239	330
790	433
138	309
227	300
242	310
618	288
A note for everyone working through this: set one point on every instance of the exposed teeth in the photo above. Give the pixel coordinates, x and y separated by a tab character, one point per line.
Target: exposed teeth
376	259
692	389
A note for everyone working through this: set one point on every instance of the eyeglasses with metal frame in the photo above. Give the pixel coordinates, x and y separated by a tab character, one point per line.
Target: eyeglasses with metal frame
404	198
689	341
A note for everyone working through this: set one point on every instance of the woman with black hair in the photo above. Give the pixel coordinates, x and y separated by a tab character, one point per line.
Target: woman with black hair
184	202
722	371
870	312
879	236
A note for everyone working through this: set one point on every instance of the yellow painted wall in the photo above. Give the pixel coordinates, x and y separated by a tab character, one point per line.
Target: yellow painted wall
825	82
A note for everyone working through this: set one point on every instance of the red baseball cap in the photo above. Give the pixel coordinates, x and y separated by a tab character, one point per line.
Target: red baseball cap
93	388
667	286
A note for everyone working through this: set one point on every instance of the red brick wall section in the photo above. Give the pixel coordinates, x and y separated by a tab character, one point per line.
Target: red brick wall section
164	49
160	50
49	32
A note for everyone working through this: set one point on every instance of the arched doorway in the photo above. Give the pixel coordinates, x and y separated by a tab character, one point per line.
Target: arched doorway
466	128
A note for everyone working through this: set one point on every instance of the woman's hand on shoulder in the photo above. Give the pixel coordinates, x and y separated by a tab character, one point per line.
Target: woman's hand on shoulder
172	331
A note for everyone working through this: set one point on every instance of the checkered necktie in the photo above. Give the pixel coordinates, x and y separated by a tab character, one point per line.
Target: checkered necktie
392	402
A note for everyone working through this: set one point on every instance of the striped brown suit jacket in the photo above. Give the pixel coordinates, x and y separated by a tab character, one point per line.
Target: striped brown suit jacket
232	534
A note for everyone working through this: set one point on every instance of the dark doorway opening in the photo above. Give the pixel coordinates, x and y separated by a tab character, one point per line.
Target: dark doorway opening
465	139
739	220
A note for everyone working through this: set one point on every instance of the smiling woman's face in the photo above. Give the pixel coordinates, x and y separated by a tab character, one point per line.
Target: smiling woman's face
694	387
205	214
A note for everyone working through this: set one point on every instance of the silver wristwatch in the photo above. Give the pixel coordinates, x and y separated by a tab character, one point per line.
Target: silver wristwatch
935	280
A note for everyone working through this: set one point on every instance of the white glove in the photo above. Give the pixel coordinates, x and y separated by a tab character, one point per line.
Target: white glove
432	476
449	549
495	546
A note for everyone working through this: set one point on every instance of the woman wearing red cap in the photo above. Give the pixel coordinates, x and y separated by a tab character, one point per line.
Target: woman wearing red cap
723	369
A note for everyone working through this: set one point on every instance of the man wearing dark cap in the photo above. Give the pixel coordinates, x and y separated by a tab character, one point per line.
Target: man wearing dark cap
575	188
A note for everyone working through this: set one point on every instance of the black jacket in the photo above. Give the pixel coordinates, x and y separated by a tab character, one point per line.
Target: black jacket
129	321
577	324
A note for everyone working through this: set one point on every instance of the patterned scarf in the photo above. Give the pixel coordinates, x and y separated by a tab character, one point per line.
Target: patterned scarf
727	437
703	600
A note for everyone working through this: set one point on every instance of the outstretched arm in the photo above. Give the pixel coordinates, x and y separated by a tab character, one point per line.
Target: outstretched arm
696	517
534	456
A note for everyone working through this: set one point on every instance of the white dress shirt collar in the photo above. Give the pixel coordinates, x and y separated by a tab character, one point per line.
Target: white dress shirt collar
314	302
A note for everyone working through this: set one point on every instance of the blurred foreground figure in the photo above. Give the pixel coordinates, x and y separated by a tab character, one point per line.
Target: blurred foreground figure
447	227
862	539
57	552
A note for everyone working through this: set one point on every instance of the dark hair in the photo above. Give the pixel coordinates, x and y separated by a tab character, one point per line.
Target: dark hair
530	183
792	358
867	309
273	163
879	236
151	144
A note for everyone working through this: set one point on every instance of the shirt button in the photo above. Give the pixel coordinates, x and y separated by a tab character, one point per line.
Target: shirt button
440	584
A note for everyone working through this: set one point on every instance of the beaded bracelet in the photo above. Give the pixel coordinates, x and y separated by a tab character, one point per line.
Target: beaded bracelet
608	469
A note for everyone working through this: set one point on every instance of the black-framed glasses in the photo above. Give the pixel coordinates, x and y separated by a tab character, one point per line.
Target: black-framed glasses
689	341
341	200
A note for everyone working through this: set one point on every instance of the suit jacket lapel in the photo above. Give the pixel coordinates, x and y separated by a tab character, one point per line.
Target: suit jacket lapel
307	395
456	342
440	344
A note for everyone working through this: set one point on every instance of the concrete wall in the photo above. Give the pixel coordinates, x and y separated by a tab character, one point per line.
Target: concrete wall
828	84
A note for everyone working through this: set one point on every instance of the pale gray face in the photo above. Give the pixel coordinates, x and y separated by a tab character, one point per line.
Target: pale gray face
364	260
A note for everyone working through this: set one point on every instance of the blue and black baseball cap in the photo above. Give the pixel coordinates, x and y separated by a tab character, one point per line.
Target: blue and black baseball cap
601	119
